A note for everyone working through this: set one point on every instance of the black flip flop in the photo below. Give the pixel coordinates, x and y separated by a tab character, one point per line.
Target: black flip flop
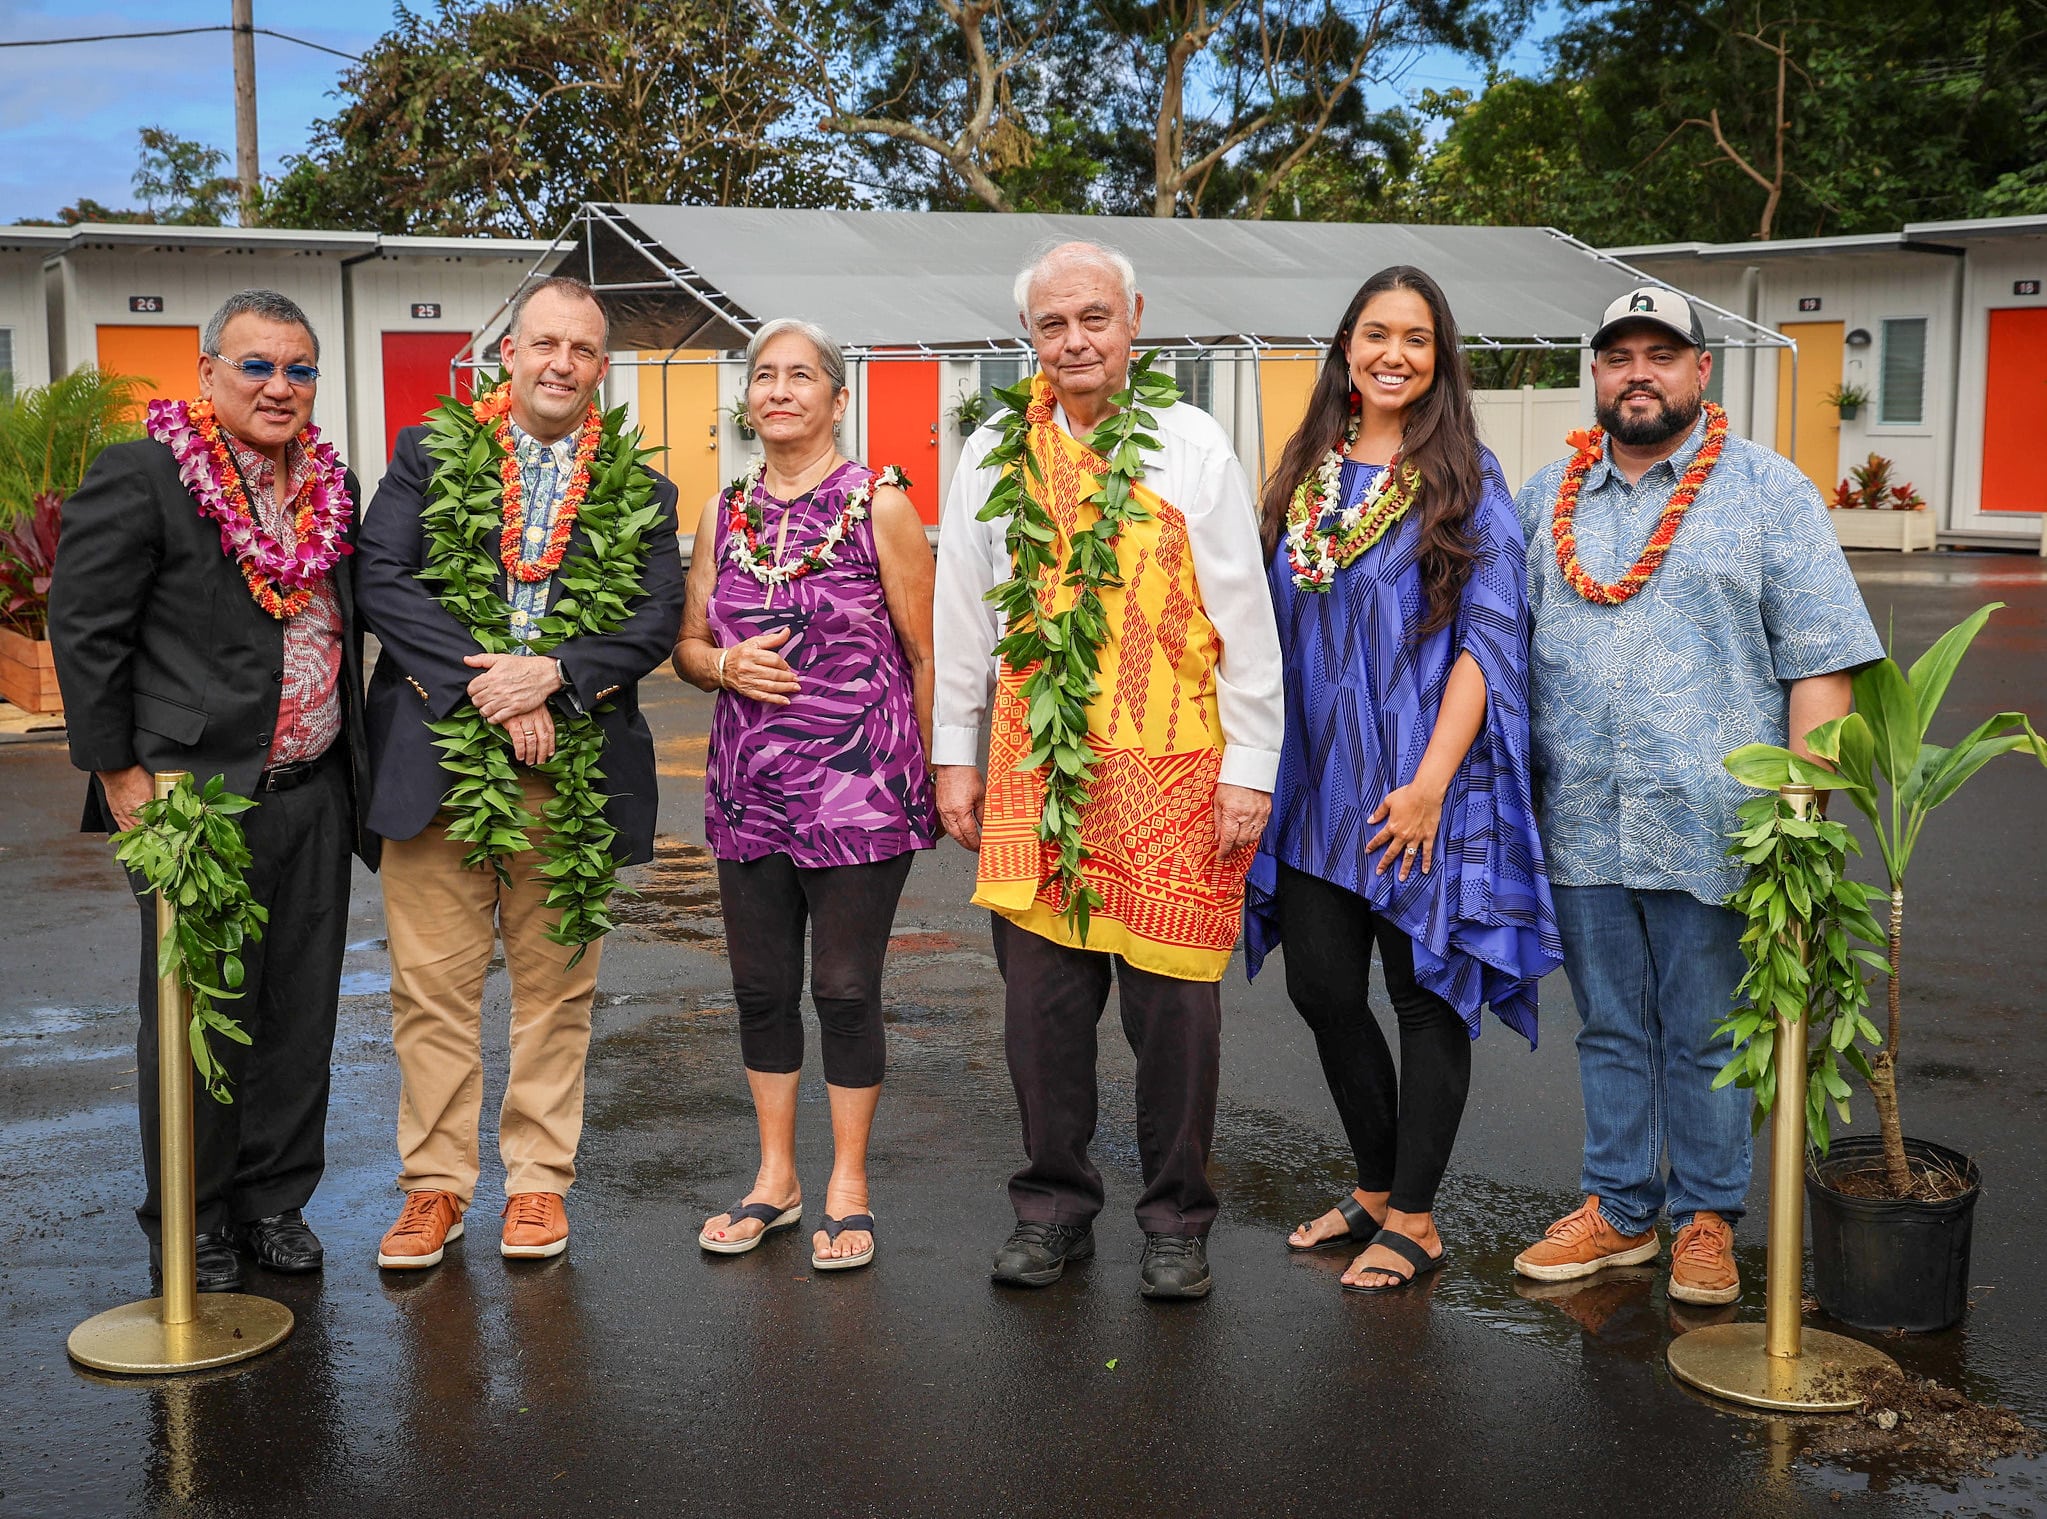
1359	1227
1407	1250
767	1214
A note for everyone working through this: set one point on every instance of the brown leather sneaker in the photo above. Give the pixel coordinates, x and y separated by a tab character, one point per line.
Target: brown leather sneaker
1702	1268
1581	1243
536	1225
427	1222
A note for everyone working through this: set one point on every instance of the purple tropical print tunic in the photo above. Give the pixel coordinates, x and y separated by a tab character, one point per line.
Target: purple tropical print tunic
837	777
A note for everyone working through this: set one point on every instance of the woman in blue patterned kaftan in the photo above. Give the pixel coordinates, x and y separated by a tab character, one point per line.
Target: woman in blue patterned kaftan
1403	815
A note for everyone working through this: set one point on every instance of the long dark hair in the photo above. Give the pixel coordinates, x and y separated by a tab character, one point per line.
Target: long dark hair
1440	439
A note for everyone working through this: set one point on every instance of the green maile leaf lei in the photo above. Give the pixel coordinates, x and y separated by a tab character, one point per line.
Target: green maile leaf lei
1062	651
599	579
192	853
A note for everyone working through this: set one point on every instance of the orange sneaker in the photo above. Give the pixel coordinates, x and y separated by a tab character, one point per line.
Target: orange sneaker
536	1225
1702	1268
1581	1243
425	1224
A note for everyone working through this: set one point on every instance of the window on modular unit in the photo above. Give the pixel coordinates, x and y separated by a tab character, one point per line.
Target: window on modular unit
1716	383
6	361
1197	381
1000	374
1901	397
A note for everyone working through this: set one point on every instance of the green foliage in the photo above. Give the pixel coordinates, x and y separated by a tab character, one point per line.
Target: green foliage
180	181
1806	921
500	116
191	851
1059	654
50	435
462	522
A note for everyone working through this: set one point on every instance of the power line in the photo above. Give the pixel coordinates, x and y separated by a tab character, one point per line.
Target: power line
183	31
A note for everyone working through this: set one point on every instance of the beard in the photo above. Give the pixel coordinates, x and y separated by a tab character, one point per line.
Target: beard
1671	419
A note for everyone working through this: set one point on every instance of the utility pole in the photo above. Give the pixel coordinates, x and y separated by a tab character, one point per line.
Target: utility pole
248	166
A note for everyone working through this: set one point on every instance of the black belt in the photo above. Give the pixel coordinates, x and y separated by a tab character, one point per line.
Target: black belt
297	773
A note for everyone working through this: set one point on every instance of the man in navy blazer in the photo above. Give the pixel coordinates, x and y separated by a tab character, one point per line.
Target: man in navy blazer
442	918
168	661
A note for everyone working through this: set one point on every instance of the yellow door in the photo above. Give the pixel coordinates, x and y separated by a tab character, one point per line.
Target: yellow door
1286	378
1818	451
679	415
164	359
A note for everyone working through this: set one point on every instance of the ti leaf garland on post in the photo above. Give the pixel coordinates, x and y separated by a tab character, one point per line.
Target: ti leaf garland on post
1804	916
462	522
1059	653
190	850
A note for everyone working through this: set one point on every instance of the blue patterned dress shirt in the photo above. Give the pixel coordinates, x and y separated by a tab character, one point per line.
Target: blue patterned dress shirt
545	470
1634	706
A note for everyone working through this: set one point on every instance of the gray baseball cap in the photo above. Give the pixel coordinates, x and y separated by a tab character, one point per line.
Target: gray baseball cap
1657	306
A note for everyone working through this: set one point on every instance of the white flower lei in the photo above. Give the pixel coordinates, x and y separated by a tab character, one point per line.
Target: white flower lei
739	500
1313	556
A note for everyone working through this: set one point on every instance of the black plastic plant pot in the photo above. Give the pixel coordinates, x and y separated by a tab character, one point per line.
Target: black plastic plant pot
1878	1263
1848	412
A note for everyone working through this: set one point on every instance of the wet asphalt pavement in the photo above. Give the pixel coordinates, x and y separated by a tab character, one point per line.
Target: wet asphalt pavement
635	1374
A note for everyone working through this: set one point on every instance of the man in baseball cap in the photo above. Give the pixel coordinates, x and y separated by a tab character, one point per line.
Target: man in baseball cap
1688	595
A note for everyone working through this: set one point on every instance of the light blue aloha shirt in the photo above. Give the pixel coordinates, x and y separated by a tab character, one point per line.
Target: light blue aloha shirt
545	470
1633	707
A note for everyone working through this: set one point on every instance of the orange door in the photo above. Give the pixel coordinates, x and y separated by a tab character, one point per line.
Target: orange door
1820	353
902	425
2015	411
164	359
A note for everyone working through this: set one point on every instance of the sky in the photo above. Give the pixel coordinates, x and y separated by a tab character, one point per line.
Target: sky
69	115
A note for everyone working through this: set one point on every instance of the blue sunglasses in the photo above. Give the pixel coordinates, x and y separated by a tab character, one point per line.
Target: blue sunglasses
260	370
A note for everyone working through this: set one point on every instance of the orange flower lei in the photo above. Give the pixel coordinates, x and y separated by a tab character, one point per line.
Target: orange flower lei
1589	447
493	410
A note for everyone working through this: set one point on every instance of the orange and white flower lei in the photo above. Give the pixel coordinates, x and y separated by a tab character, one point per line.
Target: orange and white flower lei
493	409
1590	445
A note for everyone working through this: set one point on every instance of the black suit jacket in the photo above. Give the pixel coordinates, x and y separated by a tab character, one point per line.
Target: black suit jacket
164	658
420	677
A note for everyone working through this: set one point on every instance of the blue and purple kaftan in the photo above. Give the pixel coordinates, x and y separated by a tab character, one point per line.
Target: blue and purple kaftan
1361	703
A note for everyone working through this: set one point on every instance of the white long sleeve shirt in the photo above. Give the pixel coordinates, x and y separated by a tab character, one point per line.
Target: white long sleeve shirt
1195	470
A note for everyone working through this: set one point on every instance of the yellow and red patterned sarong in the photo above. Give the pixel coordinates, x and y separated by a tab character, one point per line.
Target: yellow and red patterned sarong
1168	905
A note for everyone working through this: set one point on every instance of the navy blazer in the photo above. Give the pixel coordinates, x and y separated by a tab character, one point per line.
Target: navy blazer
164	658
420	678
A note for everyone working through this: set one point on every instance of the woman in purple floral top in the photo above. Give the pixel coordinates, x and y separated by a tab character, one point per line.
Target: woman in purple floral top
810	614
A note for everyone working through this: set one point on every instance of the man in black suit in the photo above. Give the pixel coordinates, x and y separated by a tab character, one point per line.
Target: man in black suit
172	658
443	917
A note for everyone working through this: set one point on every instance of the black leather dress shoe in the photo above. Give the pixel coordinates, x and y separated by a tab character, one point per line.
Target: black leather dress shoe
220	1269
1175	1266
1036	1254
282	1242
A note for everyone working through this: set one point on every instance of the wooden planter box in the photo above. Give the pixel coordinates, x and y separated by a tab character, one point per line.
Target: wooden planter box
28	674
1861	528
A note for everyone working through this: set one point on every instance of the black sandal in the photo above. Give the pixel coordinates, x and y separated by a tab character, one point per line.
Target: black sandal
1407	1250
1359	1227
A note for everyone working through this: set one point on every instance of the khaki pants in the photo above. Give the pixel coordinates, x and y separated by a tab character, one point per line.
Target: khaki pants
442	921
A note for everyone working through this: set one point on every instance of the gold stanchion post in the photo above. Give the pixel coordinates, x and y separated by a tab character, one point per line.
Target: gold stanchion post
183	1330
1780	1364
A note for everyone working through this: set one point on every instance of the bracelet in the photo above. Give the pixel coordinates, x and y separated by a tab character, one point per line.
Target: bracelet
721	667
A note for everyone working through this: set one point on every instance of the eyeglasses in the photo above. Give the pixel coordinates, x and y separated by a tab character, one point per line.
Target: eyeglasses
260	370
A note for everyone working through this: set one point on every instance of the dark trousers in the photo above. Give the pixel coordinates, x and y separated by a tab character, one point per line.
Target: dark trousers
264	1152
1401	1128
1053	1000
850	909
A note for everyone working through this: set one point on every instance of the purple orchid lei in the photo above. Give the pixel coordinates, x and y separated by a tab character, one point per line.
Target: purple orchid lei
281	579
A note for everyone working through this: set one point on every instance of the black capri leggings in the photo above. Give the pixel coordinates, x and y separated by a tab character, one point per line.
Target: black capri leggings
850	909
1401	1129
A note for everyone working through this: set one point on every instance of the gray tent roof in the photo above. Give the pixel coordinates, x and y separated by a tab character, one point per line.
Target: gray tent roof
704	276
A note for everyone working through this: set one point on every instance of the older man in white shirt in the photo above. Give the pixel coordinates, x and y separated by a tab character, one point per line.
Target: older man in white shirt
1183	729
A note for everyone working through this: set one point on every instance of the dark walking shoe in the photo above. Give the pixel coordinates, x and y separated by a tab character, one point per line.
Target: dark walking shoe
1175	1266
281	1242
220	1269
1036	1254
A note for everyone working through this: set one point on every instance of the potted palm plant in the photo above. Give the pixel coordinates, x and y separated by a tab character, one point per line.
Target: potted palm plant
1892	1216
49	436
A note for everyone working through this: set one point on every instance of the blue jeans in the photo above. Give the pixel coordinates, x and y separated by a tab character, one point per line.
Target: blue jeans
1653	974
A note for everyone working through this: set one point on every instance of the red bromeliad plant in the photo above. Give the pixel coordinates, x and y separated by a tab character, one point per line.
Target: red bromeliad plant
1869	488
28	554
